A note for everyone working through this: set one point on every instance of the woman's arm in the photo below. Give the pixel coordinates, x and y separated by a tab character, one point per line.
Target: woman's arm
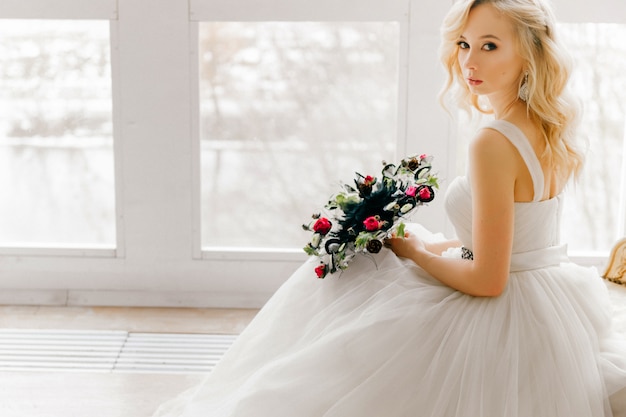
440	247
493	167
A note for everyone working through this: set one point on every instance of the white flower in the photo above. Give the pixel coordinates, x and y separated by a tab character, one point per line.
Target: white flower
315	240
406	208
390	206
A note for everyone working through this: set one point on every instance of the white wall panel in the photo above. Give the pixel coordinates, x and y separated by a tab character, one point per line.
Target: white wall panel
297	10
58	9
600	11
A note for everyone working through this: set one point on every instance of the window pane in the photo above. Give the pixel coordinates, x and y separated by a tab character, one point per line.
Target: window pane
56	153
288	110
591	211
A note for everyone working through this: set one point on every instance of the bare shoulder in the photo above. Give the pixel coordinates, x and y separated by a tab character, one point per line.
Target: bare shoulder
494	166
492	148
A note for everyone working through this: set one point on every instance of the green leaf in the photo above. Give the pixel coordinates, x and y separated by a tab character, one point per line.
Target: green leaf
311	251
345	200
400	230
432	181
362	239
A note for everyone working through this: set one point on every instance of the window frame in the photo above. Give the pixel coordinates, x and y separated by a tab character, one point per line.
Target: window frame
59	9
158	259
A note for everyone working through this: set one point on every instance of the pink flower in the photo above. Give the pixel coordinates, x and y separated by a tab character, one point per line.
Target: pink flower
320	271
322	226
411	191
371	224
424	193
423	156
369	180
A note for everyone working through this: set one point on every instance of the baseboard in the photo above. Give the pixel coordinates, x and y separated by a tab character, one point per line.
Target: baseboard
93	298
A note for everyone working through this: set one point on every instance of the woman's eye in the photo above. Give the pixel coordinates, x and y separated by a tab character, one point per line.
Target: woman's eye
489	46
462	44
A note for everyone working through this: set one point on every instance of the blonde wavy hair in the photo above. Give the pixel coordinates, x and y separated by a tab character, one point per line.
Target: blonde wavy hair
549	104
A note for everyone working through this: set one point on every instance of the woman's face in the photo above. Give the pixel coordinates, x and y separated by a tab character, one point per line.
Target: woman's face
488	54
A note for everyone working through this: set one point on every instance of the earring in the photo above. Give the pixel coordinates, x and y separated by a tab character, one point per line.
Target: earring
523	88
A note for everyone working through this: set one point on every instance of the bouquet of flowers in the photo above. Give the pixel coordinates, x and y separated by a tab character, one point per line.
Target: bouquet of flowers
359	218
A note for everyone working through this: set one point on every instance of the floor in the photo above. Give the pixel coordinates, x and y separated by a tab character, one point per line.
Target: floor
104	394
161	320
124	394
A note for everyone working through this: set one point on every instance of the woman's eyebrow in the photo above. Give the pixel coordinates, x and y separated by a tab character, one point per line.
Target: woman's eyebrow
483	37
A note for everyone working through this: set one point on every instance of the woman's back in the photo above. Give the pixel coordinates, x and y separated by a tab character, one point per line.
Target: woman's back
536	220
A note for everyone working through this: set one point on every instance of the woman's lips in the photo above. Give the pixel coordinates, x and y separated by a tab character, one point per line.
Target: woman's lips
474	82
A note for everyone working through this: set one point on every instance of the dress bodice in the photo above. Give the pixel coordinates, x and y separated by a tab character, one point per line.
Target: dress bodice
536	223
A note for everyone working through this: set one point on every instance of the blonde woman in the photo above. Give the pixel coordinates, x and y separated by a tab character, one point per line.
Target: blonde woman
495	324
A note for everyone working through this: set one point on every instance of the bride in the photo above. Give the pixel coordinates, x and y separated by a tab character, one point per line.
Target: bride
495	324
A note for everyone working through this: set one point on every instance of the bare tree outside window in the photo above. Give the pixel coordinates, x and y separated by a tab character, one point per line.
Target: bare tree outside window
599	51
56	156
288	110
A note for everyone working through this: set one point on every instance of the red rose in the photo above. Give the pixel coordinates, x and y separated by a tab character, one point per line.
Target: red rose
322	226
371	224
425	193
411	191
365	184
320	270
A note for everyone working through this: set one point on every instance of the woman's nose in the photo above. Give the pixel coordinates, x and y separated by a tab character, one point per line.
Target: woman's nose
468	61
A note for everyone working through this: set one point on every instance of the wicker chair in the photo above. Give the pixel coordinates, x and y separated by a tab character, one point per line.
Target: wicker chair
616	269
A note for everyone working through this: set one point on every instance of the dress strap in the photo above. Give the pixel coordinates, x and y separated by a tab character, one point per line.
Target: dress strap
522	144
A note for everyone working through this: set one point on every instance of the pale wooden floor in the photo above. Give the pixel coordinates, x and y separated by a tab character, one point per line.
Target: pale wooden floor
161	320
77	394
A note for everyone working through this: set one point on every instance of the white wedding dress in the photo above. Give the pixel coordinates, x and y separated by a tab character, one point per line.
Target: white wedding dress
386	340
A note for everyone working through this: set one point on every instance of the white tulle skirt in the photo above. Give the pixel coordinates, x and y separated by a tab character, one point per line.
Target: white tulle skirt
385	339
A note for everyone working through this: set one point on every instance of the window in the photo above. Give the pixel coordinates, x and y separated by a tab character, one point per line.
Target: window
56	147
287	110
592	210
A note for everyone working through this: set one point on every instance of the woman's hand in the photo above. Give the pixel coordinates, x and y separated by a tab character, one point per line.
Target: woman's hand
407	247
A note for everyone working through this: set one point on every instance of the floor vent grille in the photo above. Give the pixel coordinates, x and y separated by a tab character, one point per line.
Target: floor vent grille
110	351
